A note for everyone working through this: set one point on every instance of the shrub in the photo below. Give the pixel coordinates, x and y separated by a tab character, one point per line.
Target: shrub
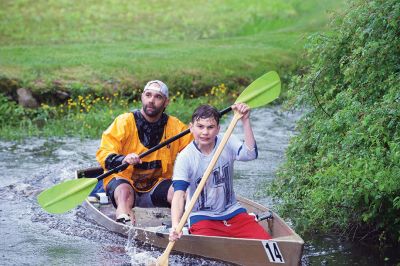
342	173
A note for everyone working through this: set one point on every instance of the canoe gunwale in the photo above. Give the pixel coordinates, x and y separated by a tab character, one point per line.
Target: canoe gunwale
232	250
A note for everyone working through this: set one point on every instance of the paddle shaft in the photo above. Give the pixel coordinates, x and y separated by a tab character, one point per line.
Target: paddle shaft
65	196
201	185
158	146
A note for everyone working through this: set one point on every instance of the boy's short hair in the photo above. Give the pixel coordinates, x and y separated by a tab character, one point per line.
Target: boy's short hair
205	111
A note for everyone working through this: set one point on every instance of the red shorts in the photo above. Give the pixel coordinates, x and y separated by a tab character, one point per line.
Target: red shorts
242	225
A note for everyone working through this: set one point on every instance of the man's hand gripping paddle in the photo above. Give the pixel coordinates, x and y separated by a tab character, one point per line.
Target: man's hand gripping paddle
67	195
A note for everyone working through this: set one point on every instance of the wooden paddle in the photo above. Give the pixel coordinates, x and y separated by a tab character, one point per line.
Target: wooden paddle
251	98
67	195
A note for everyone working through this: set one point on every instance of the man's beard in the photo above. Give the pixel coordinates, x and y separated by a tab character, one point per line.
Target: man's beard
153	113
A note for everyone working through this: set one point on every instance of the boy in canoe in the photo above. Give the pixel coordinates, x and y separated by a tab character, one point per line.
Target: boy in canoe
147	181
216	212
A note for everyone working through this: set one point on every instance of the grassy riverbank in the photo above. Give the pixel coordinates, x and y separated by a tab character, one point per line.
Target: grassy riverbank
87	116
98	48
189	44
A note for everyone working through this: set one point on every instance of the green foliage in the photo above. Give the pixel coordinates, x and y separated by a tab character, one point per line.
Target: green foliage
342	172
88	116
9	110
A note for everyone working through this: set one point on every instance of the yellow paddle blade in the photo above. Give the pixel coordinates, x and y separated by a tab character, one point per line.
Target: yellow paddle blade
67	195
262	91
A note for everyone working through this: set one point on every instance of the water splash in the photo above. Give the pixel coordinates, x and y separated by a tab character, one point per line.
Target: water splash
35	237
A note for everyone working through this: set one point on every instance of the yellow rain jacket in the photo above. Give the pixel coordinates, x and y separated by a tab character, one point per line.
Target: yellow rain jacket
122	138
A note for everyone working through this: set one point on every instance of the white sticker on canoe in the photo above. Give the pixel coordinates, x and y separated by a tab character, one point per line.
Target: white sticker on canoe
273	252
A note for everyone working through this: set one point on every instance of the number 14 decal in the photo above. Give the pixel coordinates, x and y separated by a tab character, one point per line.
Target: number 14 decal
273	252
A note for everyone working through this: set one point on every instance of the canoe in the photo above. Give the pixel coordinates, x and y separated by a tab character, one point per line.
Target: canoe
285	247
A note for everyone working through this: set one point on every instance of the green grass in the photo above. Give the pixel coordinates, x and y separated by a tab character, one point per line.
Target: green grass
101	47
192	45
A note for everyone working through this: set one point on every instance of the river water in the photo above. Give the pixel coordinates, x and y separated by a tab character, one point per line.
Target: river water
30	236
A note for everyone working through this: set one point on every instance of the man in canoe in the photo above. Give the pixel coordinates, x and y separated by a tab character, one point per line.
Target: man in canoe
147	181
216	212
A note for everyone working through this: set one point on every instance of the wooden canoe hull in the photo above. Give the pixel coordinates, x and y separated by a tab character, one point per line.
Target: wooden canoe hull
149	230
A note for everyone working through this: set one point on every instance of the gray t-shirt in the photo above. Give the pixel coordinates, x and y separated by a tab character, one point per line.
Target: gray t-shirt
217	199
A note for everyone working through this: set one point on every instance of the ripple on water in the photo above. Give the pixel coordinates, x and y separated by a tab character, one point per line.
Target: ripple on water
36	164
35	237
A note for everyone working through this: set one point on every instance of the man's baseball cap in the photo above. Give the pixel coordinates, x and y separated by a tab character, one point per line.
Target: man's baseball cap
160	88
